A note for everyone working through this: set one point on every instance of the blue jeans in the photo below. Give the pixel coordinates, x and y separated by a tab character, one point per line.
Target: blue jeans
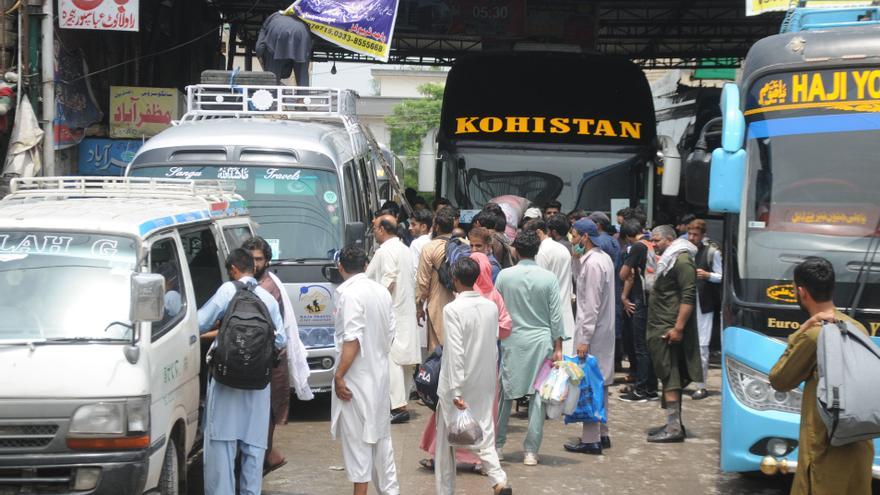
636	326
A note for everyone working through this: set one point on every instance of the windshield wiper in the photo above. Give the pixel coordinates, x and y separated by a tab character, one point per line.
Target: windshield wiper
77	340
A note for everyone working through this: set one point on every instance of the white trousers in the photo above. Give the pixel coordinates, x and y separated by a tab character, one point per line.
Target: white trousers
399	378
366	462
704	328
444	458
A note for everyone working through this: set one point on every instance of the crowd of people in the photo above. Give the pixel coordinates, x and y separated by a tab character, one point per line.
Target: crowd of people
571	285
498	307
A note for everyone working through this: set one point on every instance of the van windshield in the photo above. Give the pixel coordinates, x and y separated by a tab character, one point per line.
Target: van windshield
298	210
64	287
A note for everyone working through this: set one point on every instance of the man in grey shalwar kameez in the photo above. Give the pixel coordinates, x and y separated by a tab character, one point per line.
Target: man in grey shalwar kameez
594	327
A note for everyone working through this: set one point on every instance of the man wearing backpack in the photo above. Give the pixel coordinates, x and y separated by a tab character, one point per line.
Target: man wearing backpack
237	407
822	468
431	295
361	402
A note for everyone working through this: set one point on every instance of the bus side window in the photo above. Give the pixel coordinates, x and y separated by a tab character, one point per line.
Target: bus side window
352	194
202	256
367	188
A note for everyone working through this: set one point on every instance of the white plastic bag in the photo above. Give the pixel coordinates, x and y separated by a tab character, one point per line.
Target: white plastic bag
464	429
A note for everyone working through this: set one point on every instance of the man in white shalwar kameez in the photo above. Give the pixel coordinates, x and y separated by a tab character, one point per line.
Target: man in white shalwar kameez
468	377
556	258
361	405
236	420
391	266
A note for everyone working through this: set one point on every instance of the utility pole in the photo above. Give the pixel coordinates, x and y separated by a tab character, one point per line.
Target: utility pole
48	70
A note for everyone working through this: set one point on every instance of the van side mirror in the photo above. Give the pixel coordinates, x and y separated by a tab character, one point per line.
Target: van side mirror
671	159
147	297
428	160
355	233
728	171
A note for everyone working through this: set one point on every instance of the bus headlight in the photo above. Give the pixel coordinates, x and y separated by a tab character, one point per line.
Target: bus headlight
753	389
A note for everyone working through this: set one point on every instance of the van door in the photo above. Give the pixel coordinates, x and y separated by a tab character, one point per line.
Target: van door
235	232
173	351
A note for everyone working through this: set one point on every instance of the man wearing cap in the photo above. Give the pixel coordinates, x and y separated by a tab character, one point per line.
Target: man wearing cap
554	257
594	332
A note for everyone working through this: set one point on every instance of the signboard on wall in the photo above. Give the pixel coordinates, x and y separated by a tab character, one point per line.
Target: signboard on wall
106	156
137	112
105	15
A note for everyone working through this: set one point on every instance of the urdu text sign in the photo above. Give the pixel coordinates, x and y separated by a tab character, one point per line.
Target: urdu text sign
142	112
111	15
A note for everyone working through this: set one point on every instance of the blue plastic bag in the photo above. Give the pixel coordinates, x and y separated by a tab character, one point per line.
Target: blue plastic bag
591	403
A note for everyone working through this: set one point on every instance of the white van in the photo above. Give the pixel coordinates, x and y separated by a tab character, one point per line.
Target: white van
307	168
100	281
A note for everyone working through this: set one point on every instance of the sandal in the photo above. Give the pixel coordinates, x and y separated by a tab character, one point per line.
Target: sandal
427	464
269	469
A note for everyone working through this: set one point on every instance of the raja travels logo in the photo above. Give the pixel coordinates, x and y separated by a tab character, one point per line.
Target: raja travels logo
314	300
773	93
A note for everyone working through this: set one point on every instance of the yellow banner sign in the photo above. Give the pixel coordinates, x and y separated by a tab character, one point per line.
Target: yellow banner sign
755	7
142	112
551	125
856	90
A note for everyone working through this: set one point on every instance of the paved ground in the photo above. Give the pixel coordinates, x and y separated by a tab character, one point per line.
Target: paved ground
632	466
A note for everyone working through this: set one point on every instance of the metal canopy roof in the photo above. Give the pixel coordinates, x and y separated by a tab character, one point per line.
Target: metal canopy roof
653	33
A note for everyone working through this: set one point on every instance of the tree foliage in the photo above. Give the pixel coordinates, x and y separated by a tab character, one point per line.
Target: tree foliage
409	122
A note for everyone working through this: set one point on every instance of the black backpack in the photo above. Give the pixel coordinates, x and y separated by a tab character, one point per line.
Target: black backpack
427	378
455	249
245	351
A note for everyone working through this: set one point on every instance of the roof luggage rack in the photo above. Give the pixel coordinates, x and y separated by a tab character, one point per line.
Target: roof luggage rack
121	187
211	101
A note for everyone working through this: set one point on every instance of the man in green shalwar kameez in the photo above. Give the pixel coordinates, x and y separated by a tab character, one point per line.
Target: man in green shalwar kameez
531	295
673	340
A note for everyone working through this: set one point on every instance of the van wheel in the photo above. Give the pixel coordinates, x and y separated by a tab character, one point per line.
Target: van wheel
169	479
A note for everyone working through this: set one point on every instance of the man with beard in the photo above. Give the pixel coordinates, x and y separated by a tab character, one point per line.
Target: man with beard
672	336
822	467
293	357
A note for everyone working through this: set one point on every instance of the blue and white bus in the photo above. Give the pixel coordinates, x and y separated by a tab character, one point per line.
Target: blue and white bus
797	175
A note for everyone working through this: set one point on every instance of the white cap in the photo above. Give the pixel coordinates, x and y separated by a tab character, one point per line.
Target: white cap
532	213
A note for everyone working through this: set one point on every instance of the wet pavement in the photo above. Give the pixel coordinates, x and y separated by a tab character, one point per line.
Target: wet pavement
631	466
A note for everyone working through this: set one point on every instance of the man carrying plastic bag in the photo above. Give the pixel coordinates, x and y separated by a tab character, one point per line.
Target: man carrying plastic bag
467	381
594	326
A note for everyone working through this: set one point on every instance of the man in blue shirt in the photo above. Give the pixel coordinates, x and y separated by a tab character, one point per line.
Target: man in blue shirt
236	419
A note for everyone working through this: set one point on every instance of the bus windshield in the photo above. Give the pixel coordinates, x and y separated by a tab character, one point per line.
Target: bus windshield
812	191
298	210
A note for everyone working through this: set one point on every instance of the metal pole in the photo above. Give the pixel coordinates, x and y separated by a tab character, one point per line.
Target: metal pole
48	70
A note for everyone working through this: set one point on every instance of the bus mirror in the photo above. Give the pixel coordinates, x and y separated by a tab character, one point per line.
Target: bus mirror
147	297
733	121
726	179
428	161
671	159
331	274
354	233
696	175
